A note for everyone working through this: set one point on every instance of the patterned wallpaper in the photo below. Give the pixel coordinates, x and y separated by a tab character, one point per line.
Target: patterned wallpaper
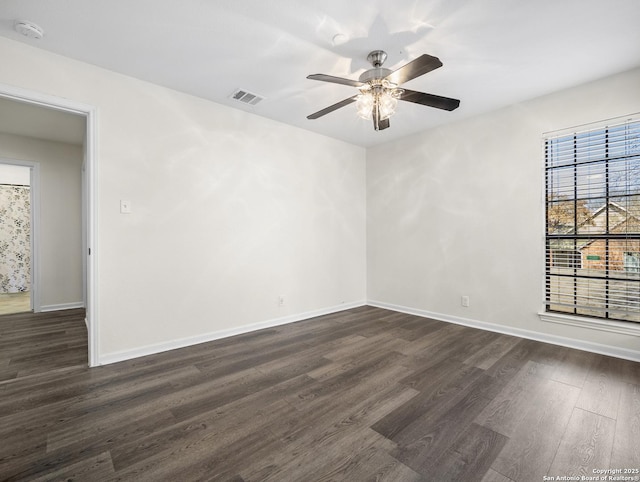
15	238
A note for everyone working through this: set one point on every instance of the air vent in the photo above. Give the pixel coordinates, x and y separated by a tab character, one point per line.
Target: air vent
246	97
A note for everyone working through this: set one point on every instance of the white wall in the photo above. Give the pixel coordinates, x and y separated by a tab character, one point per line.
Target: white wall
230	210
458	210
60	243
18	175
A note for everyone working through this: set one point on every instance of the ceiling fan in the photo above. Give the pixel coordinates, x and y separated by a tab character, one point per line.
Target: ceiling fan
379	91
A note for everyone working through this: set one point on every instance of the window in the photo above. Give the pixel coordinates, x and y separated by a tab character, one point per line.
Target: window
592	183
632	262
565	259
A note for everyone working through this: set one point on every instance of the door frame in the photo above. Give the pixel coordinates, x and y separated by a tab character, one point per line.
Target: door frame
89	202
34	221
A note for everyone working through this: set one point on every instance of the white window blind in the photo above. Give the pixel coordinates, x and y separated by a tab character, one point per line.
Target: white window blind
592	180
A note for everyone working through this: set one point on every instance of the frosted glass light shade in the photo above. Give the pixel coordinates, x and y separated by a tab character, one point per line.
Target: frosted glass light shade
385	99
364	105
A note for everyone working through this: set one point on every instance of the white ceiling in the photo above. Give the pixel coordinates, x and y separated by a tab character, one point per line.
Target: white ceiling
495	52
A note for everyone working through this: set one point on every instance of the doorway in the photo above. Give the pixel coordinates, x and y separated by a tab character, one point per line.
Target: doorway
15	239
52	114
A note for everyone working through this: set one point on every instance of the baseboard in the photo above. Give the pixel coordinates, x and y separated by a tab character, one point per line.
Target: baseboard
601	349
216	335
62	306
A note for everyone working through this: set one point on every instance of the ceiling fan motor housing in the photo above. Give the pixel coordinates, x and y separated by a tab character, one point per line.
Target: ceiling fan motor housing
377	73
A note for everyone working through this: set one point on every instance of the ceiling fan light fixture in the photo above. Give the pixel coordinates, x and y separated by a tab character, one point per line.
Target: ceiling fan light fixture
364	105
387	102
385	99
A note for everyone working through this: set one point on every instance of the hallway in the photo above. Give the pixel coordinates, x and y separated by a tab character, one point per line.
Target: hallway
14	303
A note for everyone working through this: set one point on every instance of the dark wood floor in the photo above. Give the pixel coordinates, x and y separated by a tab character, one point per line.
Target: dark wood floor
43	342
366	394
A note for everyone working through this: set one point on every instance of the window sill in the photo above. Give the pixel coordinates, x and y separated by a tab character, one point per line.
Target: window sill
621	327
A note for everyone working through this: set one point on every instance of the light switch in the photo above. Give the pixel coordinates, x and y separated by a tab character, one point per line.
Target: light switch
125	207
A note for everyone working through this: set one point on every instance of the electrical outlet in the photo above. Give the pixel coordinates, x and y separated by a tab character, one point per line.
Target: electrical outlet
125	207
464	301
280	300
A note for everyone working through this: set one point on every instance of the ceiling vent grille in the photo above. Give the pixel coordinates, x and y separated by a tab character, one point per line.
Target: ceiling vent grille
246	97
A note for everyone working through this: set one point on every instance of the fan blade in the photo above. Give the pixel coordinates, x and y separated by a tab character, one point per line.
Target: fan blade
431	100
333	107
335	80
420	66
378	124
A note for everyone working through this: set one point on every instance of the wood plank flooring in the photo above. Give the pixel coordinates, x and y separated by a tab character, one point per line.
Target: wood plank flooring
37	343
365	394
